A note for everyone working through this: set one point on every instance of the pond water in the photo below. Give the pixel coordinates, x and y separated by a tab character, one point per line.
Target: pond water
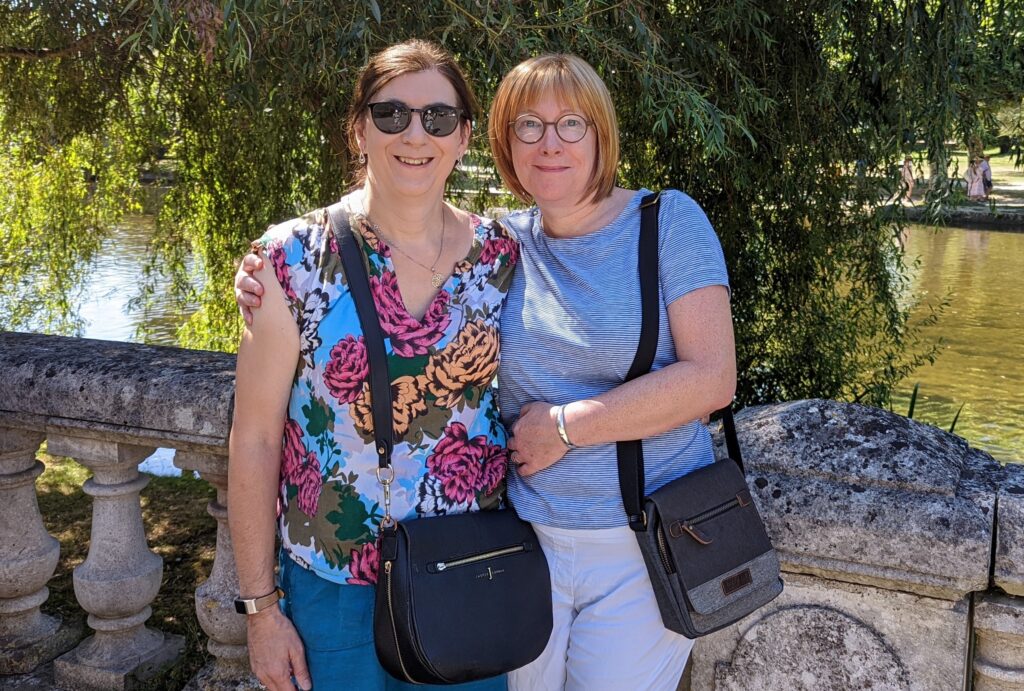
981	363
981	357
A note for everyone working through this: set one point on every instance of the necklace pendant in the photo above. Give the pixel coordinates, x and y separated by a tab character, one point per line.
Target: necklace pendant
436	279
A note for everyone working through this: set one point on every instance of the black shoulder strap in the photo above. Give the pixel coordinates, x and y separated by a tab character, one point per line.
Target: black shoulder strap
631	453
359	285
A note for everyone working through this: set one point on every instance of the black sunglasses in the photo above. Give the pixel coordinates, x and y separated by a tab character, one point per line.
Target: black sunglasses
392	117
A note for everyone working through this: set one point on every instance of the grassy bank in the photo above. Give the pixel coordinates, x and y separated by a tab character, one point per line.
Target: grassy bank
178	529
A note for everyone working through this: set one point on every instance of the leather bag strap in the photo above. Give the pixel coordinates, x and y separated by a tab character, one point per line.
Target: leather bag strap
631	453
359	287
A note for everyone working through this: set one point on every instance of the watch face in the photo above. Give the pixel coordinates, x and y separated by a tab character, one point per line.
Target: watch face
240	607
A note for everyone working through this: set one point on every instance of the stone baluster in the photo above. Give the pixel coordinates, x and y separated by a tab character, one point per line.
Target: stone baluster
119	578
999	646
28	557
215	597
999	614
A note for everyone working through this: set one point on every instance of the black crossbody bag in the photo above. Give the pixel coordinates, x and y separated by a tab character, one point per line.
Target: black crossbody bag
459	597
707	553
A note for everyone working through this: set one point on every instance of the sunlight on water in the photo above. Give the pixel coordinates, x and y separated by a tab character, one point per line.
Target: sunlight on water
981	360
115	278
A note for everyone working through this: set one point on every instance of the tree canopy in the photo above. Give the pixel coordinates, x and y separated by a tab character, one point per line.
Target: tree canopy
784	119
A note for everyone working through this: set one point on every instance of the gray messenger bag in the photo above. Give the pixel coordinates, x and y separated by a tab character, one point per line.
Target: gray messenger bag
706	550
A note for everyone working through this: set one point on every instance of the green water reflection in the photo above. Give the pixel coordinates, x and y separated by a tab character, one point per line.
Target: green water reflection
980	364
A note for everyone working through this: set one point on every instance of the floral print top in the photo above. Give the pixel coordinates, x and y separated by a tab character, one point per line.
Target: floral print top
449	454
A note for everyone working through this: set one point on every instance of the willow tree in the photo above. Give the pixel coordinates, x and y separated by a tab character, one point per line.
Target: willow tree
759	110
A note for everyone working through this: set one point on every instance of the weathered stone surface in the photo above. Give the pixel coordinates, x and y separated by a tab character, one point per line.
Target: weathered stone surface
28	557
1008	571
120	384
822	634
73	673
857	494
215	597
214	678
119	578
999	650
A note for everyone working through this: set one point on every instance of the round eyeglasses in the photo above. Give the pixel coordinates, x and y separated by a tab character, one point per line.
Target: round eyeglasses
392	117
570	128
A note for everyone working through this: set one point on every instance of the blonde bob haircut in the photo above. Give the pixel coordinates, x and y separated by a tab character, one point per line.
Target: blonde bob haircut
571	80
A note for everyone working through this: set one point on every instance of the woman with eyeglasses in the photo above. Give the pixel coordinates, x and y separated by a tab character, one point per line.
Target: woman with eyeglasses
569	331
302	448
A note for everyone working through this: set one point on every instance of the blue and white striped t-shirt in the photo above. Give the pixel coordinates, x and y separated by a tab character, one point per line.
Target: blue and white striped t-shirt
569	331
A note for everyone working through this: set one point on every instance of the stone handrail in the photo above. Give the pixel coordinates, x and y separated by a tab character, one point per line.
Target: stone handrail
903	548
108	406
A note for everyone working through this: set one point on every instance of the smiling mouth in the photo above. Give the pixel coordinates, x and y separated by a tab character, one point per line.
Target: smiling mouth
414	161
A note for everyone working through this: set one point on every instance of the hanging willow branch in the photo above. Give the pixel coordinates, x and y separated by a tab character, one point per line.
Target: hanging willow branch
75	47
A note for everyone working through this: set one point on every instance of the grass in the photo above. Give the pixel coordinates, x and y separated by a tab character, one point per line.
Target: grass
178	529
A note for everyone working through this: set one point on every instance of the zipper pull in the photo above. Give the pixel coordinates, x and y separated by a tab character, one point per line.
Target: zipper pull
387	567
441	566
696	534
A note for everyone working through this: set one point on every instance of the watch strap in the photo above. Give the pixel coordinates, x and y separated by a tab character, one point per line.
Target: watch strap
257	604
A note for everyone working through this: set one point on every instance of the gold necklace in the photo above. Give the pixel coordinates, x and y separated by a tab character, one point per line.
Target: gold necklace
437	279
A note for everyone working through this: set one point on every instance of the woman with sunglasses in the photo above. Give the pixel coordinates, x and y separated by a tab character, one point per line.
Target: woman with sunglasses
301	448
569	333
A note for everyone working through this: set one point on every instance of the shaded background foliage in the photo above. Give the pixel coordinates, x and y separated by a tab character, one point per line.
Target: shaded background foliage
784	119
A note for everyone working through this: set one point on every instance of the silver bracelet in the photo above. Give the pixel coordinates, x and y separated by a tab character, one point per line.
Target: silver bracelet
560	416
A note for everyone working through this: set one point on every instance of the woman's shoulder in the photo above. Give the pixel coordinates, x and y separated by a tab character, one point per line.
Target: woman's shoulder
302	232
680	210
518	223
678	201
489	229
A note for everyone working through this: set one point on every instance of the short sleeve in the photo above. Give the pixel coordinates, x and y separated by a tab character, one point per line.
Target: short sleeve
690	253
294	249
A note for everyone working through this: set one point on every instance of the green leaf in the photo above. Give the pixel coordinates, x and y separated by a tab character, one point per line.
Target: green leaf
319	417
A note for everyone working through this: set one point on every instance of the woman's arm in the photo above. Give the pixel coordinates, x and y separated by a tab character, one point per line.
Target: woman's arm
267	356
703	380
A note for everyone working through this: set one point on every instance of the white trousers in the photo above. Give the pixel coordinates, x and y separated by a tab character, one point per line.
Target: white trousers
607	632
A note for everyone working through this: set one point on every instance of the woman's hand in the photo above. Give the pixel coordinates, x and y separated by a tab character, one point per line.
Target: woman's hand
275	651
535	444
247	289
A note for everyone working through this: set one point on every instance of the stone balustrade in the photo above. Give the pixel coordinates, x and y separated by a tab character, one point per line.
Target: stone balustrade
109	406
903	548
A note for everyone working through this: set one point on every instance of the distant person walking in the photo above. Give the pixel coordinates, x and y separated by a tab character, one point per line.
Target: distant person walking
986	175
907	175
975	182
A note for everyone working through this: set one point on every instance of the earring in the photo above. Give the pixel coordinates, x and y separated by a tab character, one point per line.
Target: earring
458	161
362	158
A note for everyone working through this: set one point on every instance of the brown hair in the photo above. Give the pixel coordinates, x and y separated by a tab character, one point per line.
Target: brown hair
572	79
409	57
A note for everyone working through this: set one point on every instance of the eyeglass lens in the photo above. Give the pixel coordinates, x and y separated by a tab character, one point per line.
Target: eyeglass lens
570	128
393	117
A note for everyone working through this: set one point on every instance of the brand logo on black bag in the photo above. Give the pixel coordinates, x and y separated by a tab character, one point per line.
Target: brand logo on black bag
736	582
490	573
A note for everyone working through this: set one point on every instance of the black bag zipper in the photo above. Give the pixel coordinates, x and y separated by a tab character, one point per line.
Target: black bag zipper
663	551
438	567
713	512
391	613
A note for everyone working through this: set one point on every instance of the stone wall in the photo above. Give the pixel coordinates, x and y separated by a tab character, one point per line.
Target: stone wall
903	548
